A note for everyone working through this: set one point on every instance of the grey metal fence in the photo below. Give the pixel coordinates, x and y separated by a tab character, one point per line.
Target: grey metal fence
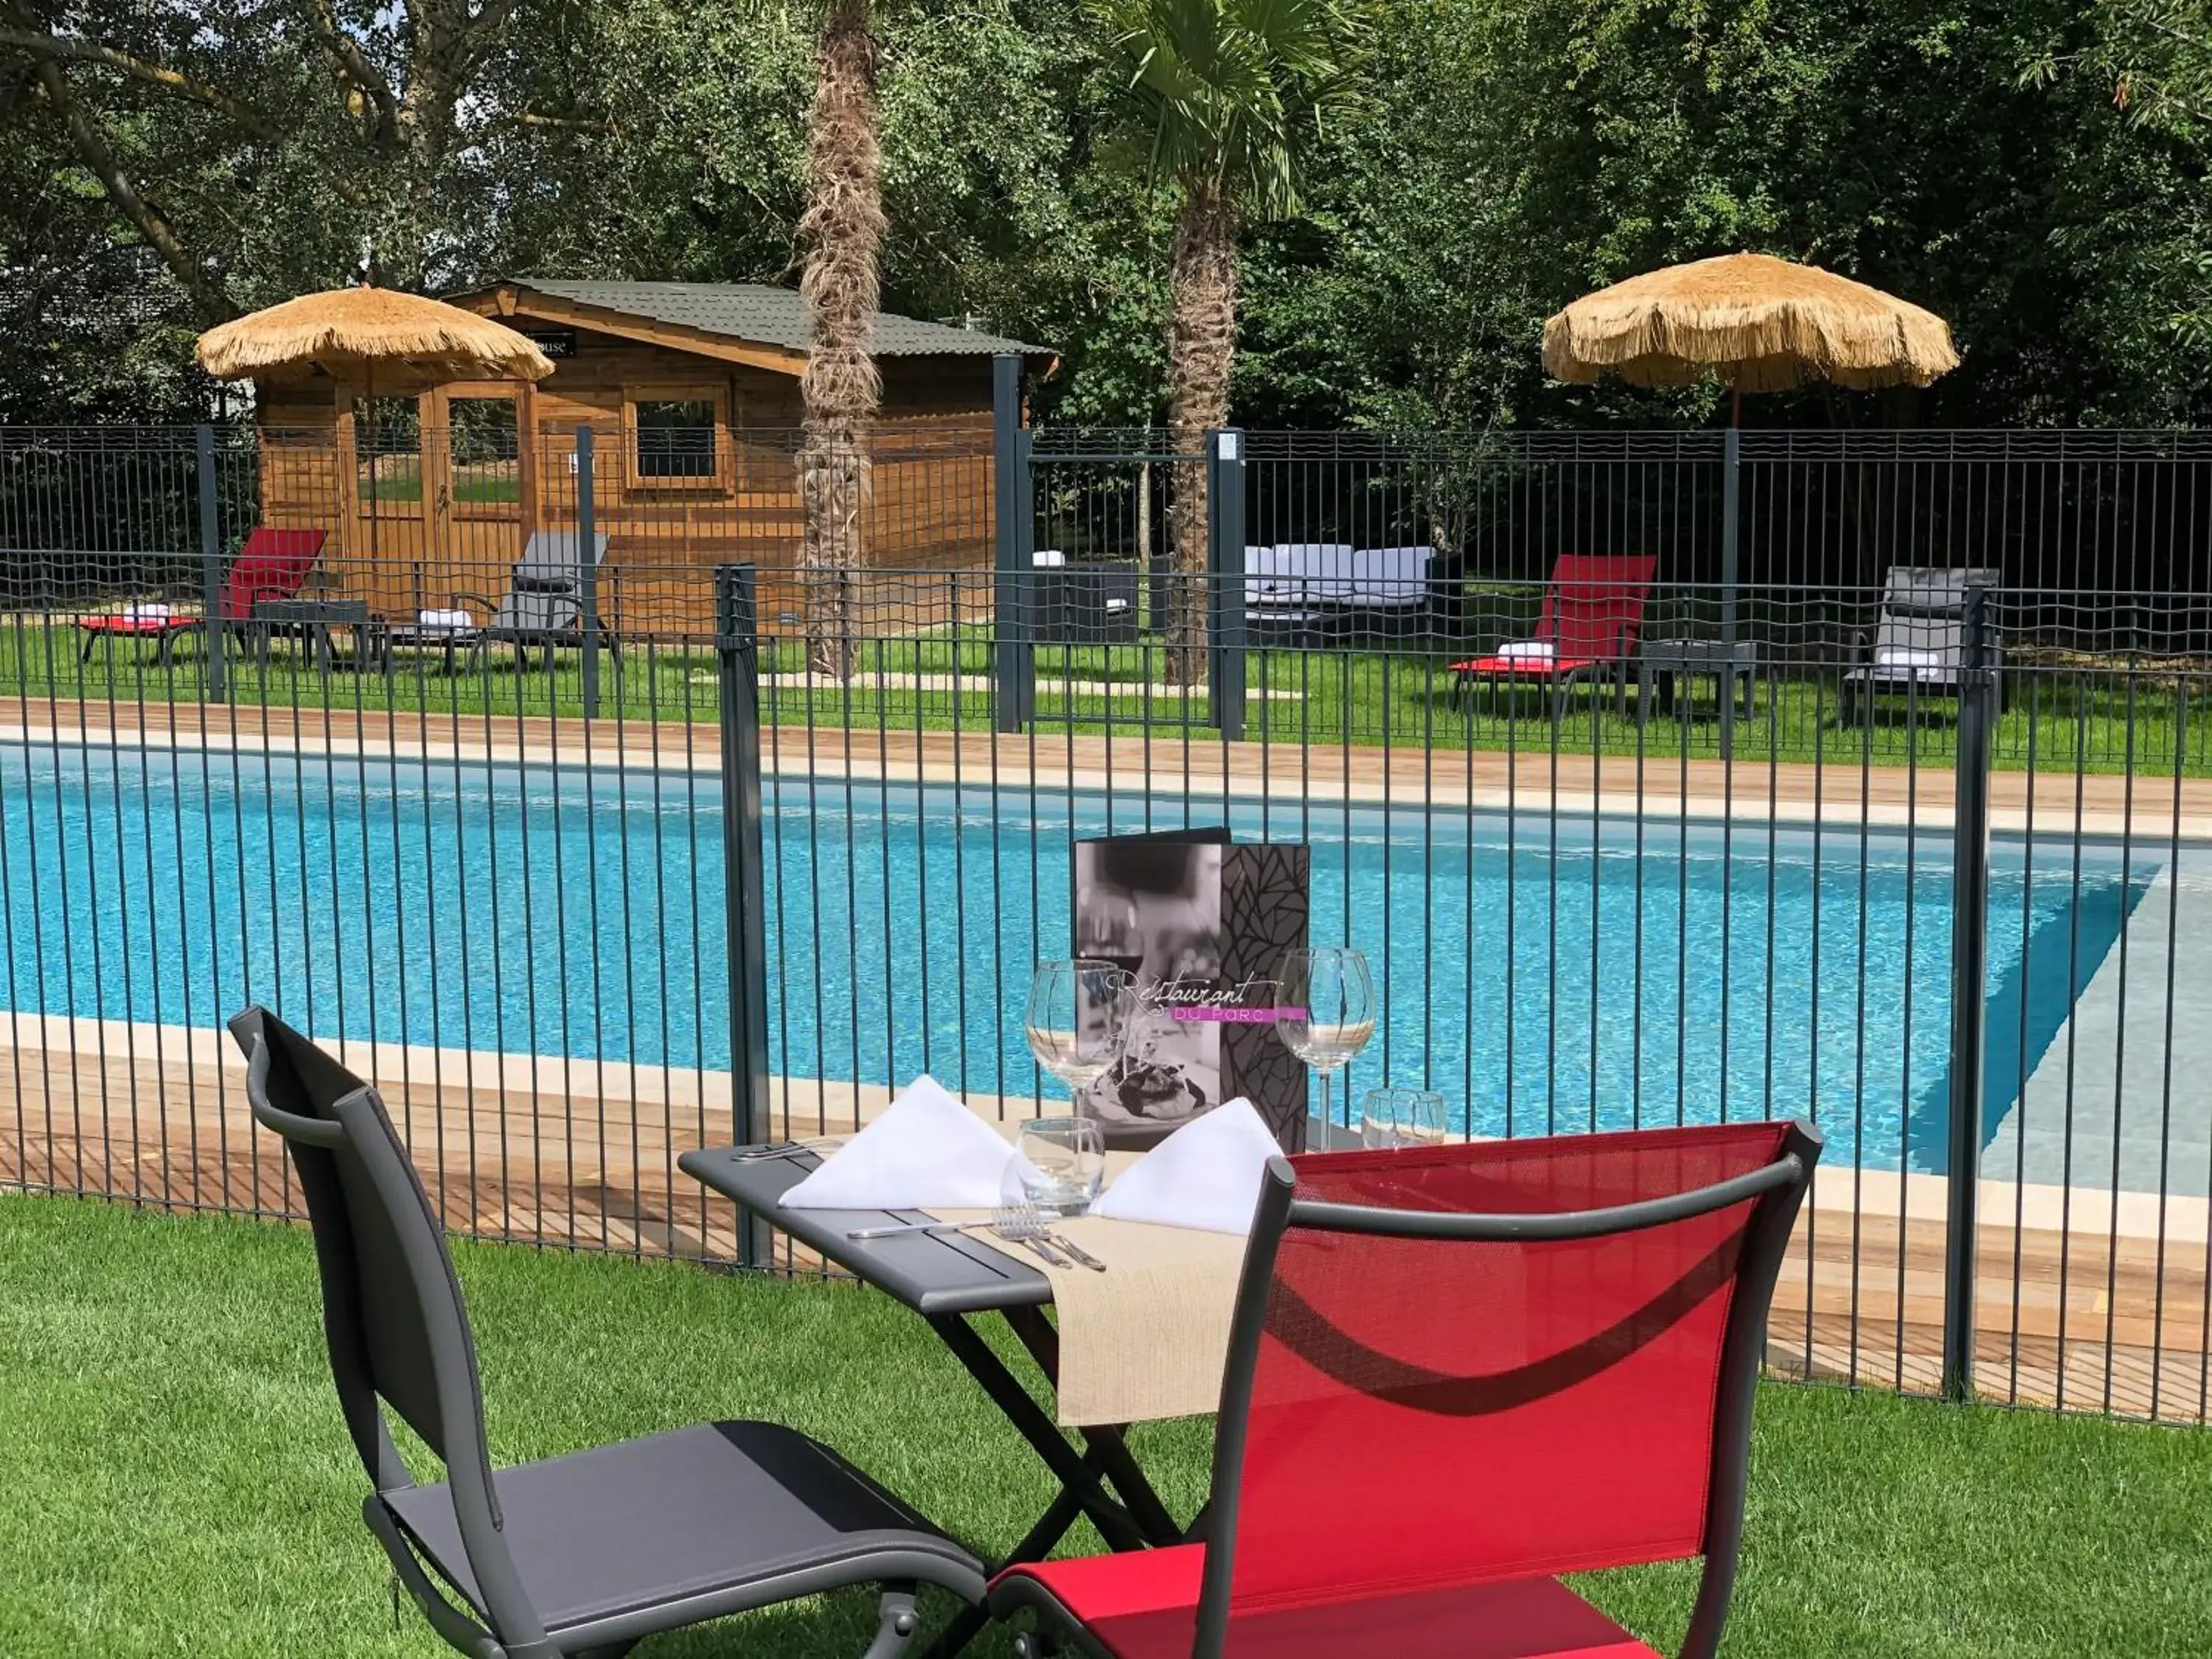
506	888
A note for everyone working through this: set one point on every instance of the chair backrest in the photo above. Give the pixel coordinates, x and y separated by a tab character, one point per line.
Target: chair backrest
545	597
272	565
1923	615
1467	1364
1391	578
1309	573
392	1311
1595	603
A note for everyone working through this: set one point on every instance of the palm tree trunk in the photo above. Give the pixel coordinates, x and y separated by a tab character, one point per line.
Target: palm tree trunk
1201	341
843	230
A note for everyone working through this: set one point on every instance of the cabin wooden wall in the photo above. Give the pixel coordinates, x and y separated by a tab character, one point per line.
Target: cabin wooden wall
930	508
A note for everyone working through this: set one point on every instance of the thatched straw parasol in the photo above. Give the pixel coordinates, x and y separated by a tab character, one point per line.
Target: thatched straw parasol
358	328
1754	322
346	331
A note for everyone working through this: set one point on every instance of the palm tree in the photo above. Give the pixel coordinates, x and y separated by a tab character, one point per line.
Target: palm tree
1232	91
842	230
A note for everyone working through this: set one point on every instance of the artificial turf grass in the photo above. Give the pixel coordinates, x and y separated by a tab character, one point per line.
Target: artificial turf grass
179	1481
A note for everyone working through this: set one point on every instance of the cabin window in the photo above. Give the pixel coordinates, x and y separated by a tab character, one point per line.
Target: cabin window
387	441
678	438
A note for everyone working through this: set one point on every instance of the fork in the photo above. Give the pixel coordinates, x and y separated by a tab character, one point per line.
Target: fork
1025	1224
789	1148
1020	1224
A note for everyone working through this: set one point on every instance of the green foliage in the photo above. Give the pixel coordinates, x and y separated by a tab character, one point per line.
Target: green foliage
1232	89
2034	170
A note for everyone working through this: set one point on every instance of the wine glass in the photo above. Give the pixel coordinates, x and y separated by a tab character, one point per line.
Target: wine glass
1324	1010
1077	1020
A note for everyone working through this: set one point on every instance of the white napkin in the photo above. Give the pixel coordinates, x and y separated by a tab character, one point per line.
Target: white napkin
1206	1175
1526	651
445	622
926	1151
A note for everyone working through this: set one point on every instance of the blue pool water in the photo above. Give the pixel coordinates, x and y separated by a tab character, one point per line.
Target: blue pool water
1548	974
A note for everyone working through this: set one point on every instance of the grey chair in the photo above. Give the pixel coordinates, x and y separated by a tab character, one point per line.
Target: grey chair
1919	644
584	1555
542	608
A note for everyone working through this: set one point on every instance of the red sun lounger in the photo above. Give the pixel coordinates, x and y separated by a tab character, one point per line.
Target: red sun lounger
1592	611
272	565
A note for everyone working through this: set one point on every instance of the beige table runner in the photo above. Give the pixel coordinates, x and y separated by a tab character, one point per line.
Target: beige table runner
1147	1338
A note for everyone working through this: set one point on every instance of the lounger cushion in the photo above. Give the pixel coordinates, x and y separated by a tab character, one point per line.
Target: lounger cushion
1144	1606
693	1512
1540	668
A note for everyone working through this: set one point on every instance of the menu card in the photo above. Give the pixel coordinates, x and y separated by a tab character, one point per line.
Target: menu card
1203	924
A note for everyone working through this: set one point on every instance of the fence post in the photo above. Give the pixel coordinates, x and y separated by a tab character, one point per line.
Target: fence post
1970	921
1731	570
218	668
744	905
1013	664
587	567
1224	561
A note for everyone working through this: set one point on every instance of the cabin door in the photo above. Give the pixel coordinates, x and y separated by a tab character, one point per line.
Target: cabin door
482	489
390	523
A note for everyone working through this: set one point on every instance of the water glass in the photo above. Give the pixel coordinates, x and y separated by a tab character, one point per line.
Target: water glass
1402	1117
1324	1010
1077	1019
1061	1163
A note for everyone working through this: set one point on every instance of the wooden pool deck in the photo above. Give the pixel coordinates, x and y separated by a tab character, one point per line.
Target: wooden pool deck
1840	791
2081	1302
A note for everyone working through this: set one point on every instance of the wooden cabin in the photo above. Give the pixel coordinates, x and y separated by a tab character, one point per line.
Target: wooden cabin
691	391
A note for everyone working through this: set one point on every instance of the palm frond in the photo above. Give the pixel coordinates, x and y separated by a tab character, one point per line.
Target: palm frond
1230	88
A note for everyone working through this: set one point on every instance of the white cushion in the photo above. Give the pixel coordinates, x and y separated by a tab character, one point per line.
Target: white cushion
149	612
445	622
1047	558
1526	651
1897	656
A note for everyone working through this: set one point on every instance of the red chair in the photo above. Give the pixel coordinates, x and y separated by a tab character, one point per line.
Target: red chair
1454	1374
1592	611
272	565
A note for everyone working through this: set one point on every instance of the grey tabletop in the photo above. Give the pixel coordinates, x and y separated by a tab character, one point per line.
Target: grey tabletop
1702	656
933	1274
338	612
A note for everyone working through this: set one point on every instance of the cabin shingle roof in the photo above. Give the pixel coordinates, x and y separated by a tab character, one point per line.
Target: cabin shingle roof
769	316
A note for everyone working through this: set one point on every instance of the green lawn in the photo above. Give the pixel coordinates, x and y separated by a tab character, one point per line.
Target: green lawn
2058	722
178	1480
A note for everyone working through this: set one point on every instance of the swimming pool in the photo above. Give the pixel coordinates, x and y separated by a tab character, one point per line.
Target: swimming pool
1550	973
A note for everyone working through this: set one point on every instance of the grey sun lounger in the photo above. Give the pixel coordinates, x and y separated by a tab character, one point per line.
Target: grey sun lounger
579	1555
543	606
1919	644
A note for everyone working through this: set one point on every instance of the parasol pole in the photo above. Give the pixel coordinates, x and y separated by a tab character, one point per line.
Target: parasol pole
1731	544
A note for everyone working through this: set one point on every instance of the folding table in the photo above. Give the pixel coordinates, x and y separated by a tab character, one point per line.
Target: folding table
951	1280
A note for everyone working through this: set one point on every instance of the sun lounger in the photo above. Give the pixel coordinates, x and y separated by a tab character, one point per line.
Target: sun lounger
273	564
543	606
1593	610
1919	644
